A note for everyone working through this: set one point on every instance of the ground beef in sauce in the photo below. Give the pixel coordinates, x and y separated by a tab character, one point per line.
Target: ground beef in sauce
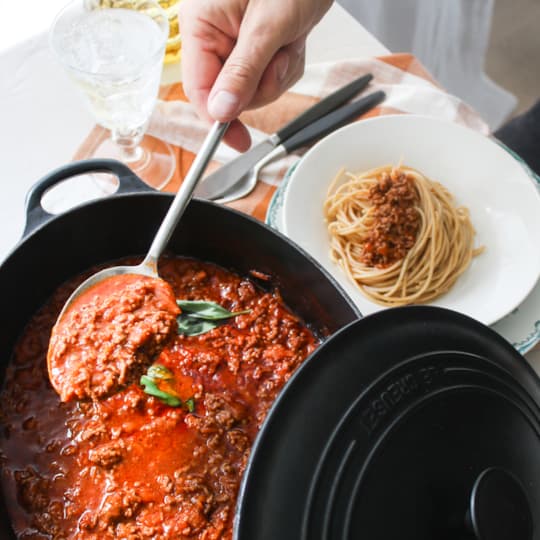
110	335
129	466
396	220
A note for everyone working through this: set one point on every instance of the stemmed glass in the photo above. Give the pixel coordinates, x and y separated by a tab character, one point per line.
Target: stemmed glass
113	50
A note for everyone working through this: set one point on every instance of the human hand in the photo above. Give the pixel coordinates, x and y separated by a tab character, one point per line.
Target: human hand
240	54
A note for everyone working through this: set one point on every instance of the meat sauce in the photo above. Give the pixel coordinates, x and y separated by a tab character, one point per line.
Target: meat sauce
130	466
396	220
110	334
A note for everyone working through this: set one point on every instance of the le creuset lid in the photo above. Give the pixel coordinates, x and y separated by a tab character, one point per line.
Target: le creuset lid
412	423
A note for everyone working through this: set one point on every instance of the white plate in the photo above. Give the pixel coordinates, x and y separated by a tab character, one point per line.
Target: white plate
504	204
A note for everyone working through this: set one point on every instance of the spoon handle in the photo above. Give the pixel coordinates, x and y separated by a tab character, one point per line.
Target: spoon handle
185	192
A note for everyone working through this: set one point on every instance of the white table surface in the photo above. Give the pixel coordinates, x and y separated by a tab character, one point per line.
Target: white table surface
43	120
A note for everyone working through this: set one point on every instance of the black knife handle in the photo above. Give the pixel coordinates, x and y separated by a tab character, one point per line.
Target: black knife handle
323	107
332	121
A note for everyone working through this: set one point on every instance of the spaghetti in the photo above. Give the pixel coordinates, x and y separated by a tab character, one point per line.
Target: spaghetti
397	234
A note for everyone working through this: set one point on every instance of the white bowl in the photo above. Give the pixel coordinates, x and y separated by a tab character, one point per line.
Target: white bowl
503	201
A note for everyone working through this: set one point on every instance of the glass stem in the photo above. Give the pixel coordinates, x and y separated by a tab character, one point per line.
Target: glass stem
129	144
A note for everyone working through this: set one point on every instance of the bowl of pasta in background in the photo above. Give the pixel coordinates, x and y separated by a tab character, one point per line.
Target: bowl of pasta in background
501	199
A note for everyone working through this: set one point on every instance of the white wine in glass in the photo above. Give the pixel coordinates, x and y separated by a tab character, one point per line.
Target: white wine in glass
115	56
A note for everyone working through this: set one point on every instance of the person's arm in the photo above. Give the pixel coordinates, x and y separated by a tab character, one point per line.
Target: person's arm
240	54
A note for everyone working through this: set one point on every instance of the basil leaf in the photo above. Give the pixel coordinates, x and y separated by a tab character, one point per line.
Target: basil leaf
151	389
191	326
157	371
209	311
190	404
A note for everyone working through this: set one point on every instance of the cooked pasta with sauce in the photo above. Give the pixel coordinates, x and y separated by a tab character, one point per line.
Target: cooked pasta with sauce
398	235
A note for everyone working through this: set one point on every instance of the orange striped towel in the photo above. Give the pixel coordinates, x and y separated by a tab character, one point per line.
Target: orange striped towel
408	86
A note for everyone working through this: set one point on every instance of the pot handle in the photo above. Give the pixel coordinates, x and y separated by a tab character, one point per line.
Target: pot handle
36	215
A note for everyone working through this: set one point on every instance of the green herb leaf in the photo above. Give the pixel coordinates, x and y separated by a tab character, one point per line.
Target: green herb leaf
209	311
151	389
190	404
191	326
199	316
157	371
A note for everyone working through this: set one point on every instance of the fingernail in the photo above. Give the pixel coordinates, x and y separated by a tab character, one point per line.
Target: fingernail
282	65
223	105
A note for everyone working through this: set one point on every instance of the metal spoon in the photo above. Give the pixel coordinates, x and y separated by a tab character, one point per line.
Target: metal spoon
149	265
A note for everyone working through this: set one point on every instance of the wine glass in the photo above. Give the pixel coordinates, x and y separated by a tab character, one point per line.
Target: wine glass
113	50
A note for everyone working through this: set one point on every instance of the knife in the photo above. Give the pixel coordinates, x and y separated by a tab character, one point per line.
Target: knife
217	183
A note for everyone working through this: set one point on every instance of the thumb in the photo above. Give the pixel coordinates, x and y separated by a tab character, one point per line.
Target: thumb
240	76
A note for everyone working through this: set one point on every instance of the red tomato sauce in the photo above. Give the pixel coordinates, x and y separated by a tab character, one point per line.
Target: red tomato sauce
130	466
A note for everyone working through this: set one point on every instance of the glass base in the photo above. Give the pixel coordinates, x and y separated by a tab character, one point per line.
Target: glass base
153	161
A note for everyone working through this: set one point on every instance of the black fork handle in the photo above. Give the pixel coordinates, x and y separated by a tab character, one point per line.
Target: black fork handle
333	121
323	107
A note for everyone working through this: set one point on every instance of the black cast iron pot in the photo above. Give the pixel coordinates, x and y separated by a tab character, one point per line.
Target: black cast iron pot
55	248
